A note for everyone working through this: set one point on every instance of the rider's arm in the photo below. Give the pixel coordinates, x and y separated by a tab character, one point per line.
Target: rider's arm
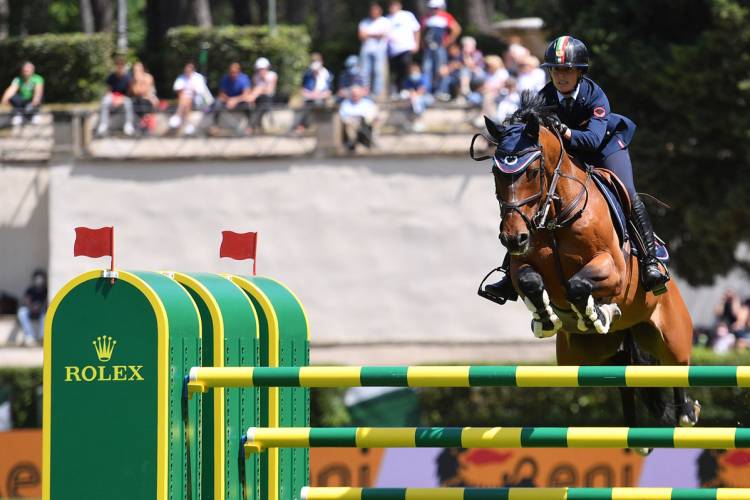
593	133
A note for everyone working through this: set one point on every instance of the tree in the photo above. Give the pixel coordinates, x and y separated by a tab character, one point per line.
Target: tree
200	13
680	70
4	14
479	14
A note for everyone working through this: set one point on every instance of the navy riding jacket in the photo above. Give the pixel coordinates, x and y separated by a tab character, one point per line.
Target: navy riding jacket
596	132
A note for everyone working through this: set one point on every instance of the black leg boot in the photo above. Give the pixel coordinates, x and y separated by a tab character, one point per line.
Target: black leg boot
652	276
503	290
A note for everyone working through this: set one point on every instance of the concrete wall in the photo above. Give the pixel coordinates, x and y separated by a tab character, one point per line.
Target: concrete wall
24	225
378	250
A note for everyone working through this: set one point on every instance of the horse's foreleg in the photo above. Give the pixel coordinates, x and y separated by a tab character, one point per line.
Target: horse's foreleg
545	322
598	278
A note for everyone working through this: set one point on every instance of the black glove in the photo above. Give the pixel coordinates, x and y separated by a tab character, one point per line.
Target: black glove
556	124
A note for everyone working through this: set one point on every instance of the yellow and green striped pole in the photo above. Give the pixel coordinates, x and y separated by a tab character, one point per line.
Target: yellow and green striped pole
201	379
309	493
261	438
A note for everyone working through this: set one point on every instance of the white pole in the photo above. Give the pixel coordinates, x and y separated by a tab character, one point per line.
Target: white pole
122	26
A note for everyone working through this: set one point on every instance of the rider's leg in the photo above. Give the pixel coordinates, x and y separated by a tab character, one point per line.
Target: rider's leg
652	274
504	288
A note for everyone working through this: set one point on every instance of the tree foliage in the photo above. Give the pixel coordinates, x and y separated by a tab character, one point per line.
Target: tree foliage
681	70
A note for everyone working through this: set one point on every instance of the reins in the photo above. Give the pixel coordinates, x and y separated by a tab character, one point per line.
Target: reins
539	221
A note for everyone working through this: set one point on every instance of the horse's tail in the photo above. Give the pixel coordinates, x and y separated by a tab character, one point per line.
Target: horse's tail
656	400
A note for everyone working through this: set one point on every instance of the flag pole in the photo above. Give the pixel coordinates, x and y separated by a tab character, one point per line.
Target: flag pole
112	259
255	253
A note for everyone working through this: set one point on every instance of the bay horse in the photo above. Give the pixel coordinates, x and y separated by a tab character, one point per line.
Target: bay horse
577	276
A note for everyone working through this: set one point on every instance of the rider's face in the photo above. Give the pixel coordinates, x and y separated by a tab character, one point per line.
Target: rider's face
565	79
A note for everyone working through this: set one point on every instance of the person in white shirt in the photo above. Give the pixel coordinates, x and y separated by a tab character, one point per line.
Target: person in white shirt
530	76
358	115
262	93
192	93
373	32
403	42
317	89
494	84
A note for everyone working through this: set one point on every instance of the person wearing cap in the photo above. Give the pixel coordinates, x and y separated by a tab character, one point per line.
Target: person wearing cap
594	135
25	94
264	89
439	30
403	42
352	75
373	33
317	83
358	114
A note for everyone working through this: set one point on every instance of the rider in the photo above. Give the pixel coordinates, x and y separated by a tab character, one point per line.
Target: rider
595	136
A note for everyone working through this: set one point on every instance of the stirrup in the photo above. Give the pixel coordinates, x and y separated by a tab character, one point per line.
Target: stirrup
483	292
659	286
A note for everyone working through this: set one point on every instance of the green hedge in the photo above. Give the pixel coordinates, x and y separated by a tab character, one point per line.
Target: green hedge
74	66
288	50
22	384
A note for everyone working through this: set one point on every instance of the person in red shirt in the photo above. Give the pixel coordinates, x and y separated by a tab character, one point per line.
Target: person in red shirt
439	30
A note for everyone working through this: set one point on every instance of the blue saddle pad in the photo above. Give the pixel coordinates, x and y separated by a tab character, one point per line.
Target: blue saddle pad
620	220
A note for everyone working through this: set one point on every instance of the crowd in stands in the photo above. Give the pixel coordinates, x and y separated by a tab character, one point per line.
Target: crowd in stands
731	329
401	59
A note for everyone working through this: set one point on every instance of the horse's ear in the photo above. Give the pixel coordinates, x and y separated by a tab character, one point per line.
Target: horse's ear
493	128
532	127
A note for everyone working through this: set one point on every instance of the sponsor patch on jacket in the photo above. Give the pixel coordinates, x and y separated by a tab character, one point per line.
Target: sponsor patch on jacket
599	112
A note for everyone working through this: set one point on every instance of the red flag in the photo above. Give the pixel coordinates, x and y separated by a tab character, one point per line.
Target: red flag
239	246
93	242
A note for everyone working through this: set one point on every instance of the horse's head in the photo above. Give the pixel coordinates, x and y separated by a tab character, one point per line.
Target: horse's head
526	156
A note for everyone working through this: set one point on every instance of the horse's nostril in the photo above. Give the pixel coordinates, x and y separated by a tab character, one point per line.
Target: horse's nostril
523	238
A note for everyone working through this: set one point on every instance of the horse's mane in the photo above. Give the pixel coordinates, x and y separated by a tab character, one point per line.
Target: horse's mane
532	111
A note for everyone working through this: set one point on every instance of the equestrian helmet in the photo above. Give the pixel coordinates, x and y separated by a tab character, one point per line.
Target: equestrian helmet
566	52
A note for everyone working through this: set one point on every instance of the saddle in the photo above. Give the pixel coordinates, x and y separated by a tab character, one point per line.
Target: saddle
618	201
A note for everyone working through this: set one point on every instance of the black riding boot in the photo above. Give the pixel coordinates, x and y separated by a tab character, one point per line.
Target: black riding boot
503	289
652	276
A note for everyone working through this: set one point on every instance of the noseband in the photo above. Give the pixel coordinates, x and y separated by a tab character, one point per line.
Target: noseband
539	221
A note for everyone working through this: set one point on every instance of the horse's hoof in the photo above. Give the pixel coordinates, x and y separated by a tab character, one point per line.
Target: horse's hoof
690	419
543	329
644	452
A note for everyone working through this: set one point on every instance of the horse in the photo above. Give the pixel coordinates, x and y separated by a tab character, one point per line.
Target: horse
577	276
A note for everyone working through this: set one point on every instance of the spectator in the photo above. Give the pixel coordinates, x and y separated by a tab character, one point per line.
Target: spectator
449	82
440	30
494	84
264	88
317	83
509	100
742	333
25	94
403	42
515	54
117	96
373	33
723	340
144	97
530	76
419	98
352	75
358	115
192	93
729	311
234	93
469	51
472	77
34	307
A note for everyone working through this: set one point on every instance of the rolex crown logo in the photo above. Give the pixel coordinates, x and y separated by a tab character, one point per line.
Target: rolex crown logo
104	346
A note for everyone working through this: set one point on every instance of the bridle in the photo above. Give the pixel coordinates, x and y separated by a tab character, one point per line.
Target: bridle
539	221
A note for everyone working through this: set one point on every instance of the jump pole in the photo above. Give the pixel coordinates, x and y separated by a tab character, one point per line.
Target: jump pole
259	439
202	379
